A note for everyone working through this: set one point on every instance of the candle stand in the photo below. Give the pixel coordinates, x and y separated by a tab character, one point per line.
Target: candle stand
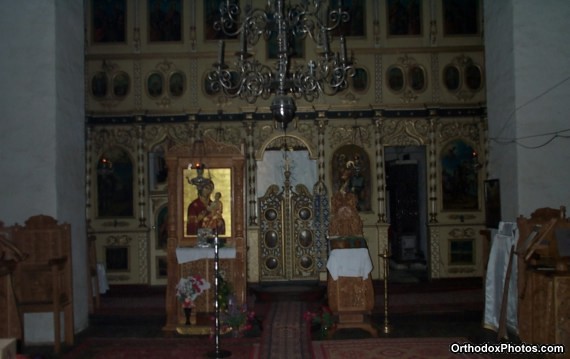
218	352
386	255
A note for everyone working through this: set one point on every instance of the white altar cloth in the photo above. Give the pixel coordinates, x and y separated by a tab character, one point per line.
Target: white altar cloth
506	236
349	262
189	254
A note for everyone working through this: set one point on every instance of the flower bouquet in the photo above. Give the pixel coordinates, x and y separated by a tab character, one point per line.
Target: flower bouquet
322	321
187	290
236	318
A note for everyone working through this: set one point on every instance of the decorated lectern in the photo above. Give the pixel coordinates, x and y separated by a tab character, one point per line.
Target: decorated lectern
349	282
205	198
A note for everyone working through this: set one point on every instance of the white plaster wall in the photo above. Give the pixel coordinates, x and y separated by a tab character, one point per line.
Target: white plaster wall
27	158
70	145
528	86
500	80
542	87
42	130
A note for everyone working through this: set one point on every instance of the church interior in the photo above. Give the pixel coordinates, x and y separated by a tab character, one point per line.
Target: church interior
369	156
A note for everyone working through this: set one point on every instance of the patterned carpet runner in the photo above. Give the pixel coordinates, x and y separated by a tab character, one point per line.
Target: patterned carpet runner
285	334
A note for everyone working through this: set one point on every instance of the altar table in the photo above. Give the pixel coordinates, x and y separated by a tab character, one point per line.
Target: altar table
200	260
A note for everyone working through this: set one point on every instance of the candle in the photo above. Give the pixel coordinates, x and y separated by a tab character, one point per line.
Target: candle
136	14
243	42
221	53
374	10
326	46
342	49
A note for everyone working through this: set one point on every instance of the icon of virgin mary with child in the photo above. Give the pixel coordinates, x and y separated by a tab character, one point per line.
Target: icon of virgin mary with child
203	212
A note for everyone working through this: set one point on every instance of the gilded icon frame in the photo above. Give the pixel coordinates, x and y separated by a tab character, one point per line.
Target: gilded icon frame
222	181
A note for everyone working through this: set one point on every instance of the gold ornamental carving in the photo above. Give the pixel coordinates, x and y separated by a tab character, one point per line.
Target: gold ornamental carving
225	134
462	232
457	128
356	134
103	138
307	130
210	146
120	240
404	132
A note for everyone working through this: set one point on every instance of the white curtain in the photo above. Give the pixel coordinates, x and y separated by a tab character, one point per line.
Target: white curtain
271	170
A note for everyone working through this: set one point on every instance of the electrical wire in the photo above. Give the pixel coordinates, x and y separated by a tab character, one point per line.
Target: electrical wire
511	116
553	136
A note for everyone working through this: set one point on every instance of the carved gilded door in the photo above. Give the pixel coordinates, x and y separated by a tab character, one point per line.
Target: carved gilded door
287	238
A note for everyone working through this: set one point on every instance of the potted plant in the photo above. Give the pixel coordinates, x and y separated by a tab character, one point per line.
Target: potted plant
236	318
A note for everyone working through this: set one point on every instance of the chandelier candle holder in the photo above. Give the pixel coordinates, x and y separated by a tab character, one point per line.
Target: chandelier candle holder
250	79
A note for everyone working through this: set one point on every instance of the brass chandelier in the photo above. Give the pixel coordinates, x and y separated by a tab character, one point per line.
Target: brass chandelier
249	79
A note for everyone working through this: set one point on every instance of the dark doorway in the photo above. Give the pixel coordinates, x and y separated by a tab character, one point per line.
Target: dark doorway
407	213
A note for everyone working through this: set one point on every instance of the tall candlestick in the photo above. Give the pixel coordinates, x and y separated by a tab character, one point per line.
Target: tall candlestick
217	353
386	256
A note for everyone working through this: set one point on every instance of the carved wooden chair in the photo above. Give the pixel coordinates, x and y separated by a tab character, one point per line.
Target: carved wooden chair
10	256
93	276
43	282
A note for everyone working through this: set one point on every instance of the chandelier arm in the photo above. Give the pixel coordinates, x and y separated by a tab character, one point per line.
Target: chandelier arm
337	17
231	24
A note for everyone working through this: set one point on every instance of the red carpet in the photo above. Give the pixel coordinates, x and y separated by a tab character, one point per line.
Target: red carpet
162	348
396	348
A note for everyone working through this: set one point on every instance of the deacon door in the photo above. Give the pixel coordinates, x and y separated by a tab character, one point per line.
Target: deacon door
287	239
